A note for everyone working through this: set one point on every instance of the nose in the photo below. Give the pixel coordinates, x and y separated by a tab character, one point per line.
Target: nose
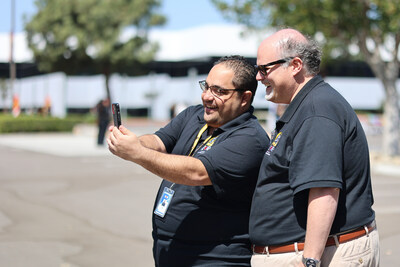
260	76
207	95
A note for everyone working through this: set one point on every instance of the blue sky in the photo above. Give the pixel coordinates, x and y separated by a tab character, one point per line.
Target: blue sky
181	14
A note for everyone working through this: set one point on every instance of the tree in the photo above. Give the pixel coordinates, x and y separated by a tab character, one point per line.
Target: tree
78	36
4	93
368	29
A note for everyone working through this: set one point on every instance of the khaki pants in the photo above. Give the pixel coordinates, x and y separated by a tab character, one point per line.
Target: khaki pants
360	252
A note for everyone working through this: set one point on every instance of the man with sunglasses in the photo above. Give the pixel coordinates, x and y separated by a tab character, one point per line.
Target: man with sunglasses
209	157
312	203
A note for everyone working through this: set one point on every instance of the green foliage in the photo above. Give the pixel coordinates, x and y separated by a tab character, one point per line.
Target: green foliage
107	36
365	29
24	123
341	22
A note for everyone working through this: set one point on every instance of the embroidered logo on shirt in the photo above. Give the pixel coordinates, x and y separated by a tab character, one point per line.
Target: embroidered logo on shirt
274	144
208	145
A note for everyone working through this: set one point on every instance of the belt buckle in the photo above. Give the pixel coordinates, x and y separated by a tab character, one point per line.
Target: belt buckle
264	251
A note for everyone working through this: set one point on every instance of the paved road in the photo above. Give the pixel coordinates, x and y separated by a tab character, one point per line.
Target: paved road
66	202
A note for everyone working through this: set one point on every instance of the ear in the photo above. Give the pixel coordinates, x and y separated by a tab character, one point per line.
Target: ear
297	65
246	98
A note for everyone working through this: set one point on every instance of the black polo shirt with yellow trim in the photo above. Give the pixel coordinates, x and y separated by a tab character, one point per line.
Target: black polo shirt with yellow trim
318	142
209	224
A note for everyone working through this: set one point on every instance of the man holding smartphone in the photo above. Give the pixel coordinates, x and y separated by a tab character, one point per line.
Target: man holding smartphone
209	158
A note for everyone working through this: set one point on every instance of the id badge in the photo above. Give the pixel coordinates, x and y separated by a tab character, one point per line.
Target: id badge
164	202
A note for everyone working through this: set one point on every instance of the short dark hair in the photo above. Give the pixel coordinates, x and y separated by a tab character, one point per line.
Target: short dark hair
244	73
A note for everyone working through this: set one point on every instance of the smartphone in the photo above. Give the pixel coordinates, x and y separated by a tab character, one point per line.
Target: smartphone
116	114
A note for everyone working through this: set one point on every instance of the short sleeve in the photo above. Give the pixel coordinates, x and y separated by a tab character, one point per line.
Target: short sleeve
170	134
234	163
317	153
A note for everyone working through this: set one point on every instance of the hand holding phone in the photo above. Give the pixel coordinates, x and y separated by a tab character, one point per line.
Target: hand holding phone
116	114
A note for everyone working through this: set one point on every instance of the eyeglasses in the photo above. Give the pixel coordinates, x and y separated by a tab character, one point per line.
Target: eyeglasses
264	68
216	90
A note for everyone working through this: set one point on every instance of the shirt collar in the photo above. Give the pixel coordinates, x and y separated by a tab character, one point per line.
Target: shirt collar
239	120
298	99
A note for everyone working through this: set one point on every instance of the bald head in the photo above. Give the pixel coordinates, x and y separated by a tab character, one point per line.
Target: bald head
292	43
290	33
275	40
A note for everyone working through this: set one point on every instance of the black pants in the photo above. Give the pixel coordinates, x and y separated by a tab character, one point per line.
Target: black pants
102	131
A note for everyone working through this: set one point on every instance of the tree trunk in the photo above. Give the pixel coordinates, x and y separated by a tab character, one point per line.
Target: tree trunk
391	120
107	85
387	73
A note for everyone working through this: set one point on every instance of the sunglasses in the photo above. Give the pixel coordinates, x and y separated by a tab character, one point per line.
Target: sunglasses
264	68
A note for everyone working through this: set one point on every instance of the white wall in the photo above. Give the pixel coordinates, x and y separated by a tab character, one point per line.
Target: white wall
135	92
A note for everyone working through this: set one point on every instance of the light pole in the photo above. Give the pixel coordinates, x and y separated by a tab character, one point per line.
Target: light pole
12	63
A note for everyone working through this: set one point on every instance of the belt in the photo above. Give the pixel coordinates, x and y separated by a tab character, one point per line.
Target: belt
298	246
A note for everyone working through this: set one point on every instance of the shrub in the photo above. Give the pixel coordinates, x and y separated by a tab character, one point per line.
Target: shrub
25	123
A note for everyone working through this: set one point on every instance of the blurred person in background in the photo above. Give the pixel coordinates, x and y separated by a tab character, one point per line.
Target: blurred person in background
103	112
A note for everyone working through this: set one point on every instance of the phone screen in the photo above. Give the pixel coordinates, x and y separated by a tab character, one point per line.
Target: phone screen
116	114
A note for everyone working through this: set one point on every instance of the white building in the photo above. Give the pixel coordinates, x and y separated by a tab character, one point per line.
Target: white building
159	92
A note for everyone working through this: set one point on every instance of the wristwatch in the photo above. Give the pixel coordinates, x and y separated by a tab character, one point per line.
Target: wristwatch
310	262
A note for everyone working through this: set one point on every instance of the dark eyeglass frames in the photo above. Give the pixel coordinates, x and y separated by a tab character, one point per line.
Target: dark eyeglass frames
216	90
264	68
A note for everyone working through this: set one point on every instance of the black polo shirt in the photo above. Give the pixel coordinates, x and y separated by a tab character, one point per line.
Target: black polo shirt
318	142
209	224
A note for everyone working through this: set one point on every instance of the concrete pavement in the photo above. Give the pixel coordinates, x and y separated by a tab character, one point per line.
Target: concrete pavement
66	202
82	142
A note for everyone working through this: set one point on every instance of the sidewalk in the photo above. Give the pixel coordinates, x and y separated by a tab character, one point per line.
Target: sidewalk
82	142
385	165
